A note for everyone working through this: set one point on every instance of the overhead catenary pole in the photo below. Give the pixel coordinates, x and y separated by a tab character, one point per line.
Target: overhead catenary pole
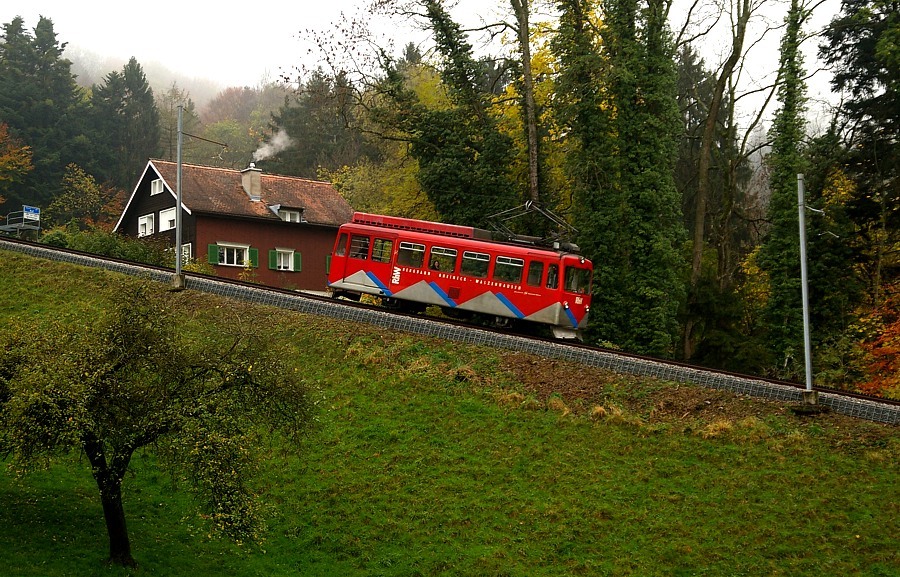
809	395
178	281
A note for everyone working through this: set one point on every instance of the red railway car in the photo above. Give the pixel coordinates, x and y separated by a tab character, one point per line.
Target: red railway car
412	264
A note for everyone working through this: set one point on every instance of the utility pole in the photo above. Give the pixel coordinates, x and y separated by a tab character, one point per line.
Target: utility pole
178	279
810	397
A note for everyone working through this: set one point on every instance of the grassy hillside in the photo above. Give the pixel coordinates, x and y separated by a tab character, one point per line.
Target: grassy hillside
435	458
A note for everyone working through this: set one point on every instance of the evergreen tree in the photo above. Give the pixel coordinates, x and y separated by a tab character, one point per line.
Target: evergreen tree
321	126
167	104
43	108
780	251
862	44
623	116
125	113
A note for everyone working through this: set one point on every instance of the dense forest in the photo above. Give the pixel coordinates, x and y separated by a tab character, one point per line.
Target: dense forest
600	112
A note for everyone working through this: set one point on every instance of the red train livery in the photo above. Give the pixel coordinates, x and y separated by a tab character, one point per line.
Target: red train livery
413	263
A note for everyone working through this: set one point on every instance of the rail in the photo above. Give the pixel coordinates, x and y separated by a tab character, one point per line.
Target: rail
869	408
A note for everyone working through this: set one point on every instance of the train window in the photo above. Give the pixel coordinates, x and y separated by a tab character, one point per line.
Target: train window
382	249
341	249
359	247
535	273
443	259
411	254
578	280
508	269
553	276
475	264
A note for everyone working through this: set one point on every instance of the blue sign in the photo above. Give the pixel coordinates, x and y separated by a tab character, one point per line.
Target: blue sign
31	212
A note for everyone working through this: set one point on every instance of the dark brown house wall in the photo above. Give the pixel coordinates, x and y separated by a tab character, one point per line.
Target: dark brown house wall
313	242
143	203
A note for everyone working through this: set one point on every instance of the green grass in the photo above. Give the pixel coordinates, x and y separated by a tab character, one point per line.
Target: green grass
416	466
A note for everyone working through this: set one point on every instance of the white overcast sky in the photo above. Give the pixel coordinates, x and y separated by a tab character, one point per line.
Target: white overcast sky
233	43
238	44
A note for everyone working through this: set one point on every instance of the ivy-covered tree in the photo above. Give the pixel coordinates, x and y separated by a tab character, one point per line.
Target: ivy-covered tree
43	108
779	254
621	109
463	157
146	377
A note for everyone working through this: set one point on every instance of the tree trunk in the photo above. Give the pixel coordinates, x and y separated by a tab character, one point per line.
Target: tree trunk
529	114
114	513
109	482
703	167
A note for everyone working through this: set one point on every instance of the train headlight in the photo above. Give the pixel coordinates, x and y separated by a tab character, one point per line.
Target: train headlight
566	305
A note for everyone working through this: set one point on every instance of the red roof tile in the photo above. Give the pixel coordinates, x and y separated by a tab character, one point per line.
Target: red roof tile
220	190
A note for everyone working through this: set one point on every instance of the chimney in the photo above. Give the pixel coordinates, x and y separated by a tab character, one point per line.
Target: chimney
251	181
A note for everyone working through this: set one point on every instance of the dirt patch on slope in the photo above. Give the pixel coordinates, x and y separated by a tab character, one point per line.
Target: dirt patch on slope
583	389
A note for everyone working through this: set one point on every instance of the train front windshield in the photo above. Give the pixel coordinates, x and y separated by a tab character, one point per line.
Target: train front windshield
578	280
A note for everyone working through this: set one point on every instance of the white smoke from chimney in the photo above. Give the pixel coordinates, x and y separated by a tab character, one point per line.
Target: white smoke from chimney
279	141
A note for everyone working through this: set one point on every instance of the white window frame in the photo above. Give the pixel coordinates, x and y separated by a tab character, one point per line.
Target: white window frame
285	259
186	252
145	225
156	187
165	217
289	215
233	250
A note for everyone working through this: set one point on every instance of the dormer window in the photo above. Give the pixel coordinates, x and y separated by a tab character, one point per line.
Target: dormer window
289	215
156	186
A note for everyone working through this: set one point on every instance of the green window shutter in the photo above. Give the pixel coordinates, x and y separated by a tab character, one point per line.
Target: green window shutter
212	254
298	262
328	264
254	257
273	259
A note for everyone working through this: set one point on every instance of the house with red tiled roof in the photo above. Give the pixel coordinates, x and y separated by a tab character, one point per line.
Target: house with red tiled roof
281	227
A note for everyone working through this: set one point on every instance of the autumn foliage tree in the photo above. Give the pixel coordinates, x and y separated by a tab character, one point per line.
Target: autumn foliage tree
15	159
146	376
84	200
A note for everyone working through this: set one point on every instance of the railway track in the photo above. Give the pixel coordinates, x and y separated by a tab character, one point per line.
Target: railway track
855	405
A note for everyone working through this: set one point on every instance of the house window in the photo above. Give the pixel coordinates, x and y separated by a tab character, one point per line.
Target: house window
185	252
285	259
145	225
233	255
167	219
156	186
289	215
